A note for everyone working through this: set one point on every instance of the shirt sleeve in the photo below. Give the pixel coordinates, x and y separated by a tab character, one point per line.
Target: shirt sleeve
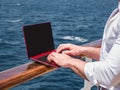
106	73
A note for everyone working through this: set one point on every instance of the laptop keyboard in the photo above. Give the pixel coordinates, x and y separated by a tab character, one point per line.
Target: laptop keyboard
43	58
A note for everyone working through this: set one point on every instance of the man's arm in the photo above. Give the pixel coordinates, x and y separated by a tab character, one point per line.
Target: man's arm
92	52
78	67
75	50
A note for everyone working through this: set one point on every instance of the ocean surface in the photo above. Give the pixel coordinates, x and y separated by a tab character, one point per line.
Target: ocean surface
73	21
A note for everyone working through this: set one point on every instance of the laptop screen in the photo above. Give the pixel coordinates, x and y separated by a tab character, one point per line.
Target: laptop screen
38	38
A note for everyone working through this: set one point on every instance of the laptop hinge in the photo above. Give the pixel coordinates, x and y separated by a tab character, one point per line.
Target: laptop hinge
43	54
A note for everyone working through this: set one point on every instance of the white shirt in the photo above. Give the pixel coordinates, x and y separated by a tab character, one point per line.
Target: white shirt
106	72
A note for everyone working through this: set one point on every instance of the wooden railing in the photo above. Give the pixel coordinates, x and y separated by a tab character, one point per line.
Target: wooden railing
17	75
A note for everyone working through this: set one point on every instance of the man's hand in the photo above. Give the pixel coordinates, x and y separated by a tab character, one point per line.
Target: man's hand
70	49
61	59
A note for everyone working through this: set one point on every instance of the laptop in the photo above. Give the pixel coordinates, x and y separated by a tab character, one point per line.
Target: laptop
39	42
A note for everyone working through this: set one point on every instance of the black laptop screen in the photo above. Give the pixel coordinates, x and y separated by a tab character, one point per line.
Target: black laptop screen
38	38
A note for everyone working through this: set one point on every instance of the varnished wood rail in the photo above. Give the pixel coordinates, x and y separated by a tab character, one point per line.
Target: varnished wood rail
17	75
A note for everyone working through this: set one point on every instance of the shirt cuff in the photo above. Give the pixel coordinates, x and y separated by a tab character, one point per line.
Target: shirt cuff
89	72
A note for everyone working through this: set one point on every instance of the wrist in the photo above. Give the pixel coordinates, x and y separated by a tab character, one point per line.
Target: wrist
84	51
71	63
74	63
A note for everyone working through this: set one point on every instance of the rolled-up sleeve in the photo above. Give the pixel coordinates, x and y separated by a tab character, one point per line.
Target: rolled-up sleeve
105	73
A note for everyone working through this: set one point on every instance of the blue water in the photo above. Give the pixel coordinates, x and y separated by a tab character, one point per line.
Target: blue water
73	21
